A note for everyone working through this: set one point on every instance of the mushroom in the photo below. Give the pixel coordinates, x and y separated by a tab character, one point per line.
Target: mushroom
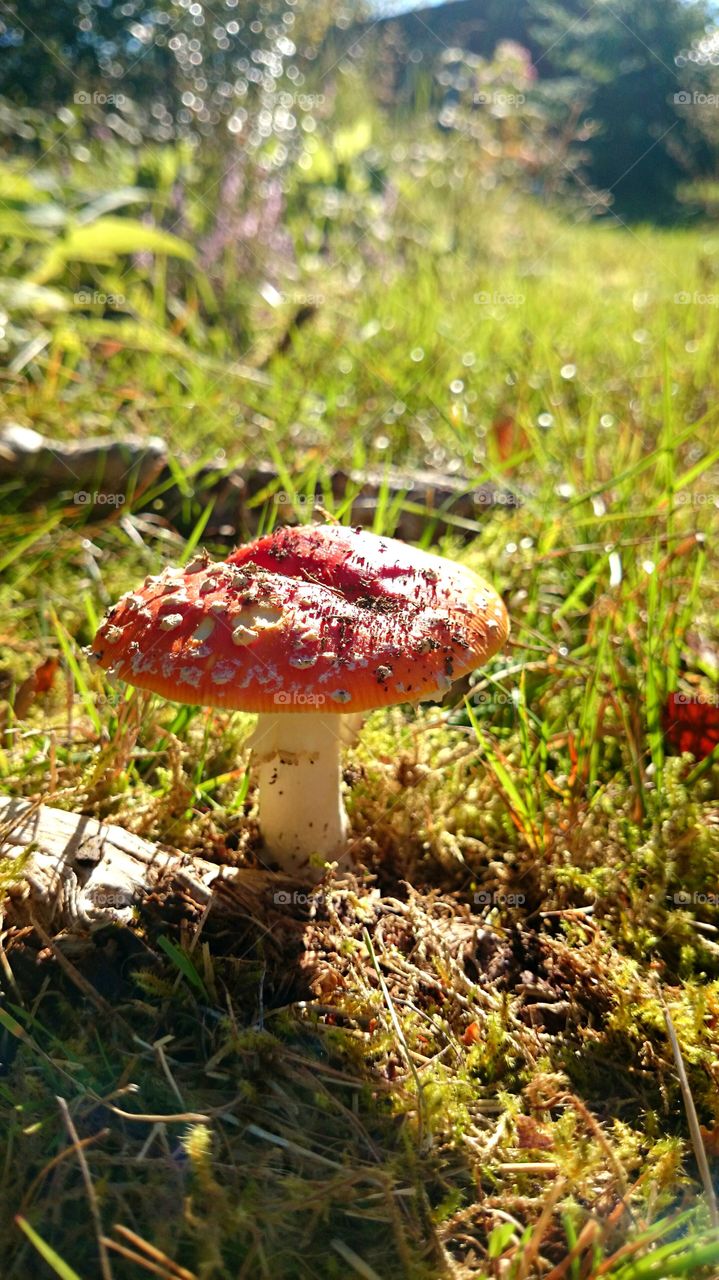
304	626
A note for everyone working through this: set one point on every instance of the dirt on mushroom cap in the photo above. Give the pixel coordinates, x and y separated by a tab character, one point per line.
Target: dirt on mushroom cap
318	618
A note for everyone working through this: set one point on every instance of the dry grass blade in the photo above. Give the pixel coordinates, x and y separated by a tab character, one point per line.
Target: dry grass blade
182	1117
400	1037
692	1118
288	1145
589	1233
530	1254
82	983
359	1267
153	1252
131	1256
105	1267
56	1160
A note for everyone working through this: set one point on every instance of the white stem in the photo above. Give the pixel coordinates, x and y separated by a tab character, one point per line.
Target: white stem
302	817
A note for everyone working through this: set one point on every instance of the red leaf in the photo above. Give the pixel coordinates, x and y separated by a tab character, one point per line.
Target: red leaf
691	723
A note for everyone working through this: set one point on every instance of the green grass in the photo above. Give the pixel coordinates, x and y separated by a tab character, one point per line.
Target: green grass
474	1065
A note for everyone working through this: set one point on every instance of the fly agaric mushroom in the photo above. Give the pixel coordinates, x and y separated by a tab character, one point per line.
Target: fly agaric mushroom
303	626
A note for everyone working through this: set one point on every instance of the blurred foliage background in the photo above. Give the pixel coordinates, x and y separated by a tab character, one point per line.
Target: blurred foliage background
200	183
181	68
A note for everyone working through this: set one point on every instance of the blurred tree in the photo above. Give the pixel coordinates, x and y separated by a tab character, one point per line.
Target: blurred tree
190	65
52	51
621	61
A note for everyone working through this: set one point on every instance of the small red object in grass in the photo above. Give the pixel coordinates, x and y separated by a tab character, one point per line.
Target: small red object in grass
508	436
691	723
472	1034
45	674
532	1136
40	681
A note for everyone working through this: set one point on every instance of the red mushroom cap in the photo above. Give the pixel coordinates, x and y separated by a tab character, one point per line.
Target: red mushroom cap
317	618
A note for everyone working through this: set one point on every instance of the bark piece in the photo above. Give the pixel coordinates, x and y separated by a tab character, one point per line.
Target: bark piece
77	873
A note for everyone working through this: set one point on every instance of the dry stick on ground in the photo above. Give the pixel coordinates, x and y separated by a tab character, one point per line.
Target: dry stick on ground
105	1267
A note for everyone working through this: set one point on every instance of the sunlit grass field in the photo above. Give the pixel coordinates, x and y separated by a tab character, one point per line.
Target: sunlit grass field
462	1064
